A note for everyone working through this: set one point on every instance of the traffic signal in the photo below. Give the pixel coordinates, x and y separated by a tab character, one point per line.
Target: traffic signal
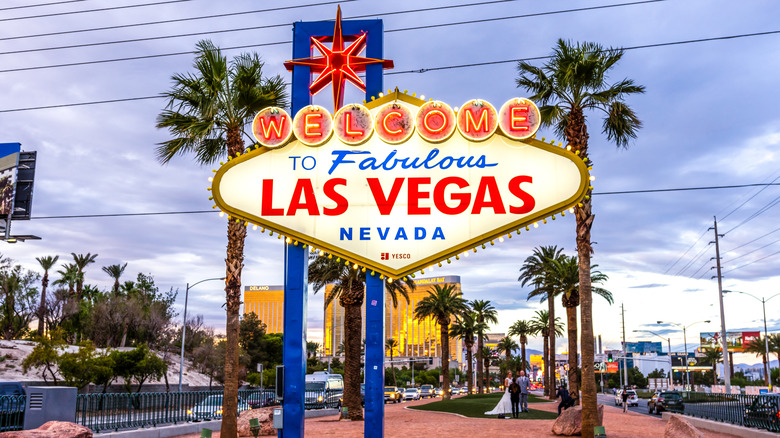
430	361
609	358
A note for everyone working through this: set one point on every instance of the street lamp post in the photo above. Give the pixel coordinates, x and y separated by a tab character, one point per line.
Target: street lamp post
685	343
763	300
184	325
669	343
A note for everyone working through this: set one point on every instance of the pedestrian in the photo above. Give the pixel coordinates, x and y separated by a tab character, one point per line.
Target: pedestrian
624	396
525	385
566	400
514	397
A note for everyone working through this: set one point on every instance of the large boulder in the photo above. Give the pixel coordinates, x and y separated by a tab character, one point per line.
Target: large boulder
264	416
570	421
52	429
679	427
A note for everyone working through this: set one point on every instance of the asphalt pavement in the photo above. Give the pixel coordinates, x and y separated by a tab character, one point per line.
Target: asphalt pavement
609	400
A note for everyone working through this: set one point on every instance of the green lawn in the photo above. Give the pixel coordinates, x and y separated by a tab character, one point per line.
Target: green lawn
476	405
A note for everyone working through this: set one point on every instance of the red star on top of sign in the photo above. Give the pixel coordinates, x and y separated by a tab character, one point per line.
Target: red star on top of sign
338	64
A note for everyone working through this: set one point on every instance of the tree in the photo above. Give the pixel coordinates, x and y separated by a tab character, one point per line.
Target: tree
45	356
81	261
206	360
484	312
311	349
713	356
507	345
522	329
566	283
466	328
391	345
137	366
537	271
487	356
207	113
443	304
20	299
115	272
758	347
572	81
541	324
86	366
349	287
251	338
46	263
774	344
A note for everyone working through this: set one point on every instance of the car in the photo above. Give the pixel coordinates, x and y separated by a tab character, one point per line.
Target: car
12	399
633	399
665	401
211	408
412	394
464	390
763	412
427	391
392	394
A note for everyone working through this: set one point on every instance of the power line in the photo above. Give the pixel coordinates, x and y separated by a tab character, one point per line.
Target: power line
757	238
758	213
269	26
754	261
748	199
686	251
757	249
113	8
680	189
40	5
424	70
695	258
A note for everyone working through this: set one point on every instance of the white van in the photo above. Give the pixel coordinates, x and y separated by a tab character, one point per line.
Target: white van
323	390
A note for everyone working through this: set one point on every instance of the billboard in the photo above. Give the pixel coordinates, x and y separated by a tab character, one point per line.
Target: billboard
736	341
9	160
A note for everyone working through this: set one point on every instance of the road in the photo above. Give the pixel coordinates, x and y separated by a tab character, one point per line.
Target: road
609	400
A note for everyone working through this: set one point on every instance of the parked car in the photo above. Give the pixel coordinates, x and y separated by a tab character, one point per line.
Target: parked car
12	398
665	401
764	412
323	390
633	399
427	391
211	408
411	394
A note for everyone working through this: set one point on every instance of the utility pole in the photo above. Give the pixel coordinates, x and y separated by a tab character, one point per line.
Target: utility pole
625	361
723	333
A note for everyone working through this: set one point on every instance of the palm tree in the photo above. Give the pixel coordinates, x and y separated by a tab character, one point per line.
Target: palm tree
484	313
714	355
486	354
466	328
537	271
311	349
206	114
507	345
443	304
540	324
522	329
115	272
46	263
349	287
82	261
566	280
572	81
774	344
758	347
69	276
391	345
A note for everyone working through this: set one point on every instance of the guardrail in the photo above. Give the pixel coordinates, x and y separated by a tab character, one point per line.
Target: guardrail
11	412
757	411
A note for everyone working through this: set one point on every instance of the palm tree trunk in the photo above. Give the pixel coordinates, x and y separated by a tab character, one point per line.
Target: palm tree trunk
392	366
551	332
235	263
469	367
546	364
480	376
445	358
42	308
353	324
571	323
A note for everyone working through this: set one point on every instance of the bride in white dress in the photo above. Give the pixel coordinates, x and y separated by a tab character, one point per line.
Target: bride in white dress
504	405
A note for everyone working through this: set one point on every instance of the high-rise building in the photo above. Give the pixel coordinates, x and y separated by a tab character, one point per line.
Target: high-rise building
415	338
267	302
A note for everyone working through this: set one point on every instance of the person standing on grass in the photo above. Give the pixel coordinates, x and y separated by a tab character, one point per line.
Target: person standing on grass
525	386
514	397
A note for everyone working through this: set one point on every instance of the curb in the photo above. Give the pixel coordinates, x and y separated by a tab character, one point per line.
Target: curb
717	426
164	431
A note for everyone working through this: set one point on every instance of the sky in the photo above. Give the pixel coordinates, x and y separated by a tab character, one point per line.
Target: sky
709	115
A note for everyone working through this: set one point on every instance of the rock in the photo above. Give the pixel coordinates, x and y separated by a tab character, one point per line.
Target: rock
679	427
52	429
263	415
570	421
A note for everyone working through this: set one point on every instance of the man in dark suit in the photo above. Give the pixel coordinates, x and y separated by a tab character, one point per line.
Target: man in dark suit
525	385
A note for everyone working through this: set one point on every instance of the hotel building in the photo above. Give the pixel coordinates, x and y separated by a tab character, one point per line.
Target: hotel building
267	302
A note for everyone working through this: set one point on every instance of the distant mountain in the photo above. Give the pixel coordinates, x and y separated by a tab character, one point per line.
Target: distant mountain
742	366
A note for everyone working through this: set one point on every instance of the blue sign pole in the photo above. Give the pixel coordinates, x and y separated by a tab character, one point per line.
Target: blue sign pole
294	352
374	424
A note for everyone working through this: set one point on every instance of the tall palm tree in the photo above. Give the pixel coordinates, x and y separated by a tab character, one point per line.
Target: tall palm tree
443	304
774	344
349	287
311	349
522	329
466	328
758	347
484	313
572	81
207	114
46	263
391	345
69	276
540	324
487	355
714	355
507	345
82	261
115	272
566	281
537	271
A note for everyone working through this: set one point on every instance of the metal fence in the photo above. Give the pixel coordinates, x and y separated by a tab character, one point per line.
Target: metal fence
757	411
11	412
101	412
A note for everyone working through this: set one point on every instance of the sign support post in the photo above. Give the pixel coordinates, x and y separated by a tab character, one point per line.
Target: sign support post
374	424
294	351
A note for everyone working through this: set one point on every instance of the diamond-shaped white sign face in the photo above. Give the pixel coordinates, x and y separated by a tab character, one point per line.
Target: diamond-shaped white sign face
399	207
